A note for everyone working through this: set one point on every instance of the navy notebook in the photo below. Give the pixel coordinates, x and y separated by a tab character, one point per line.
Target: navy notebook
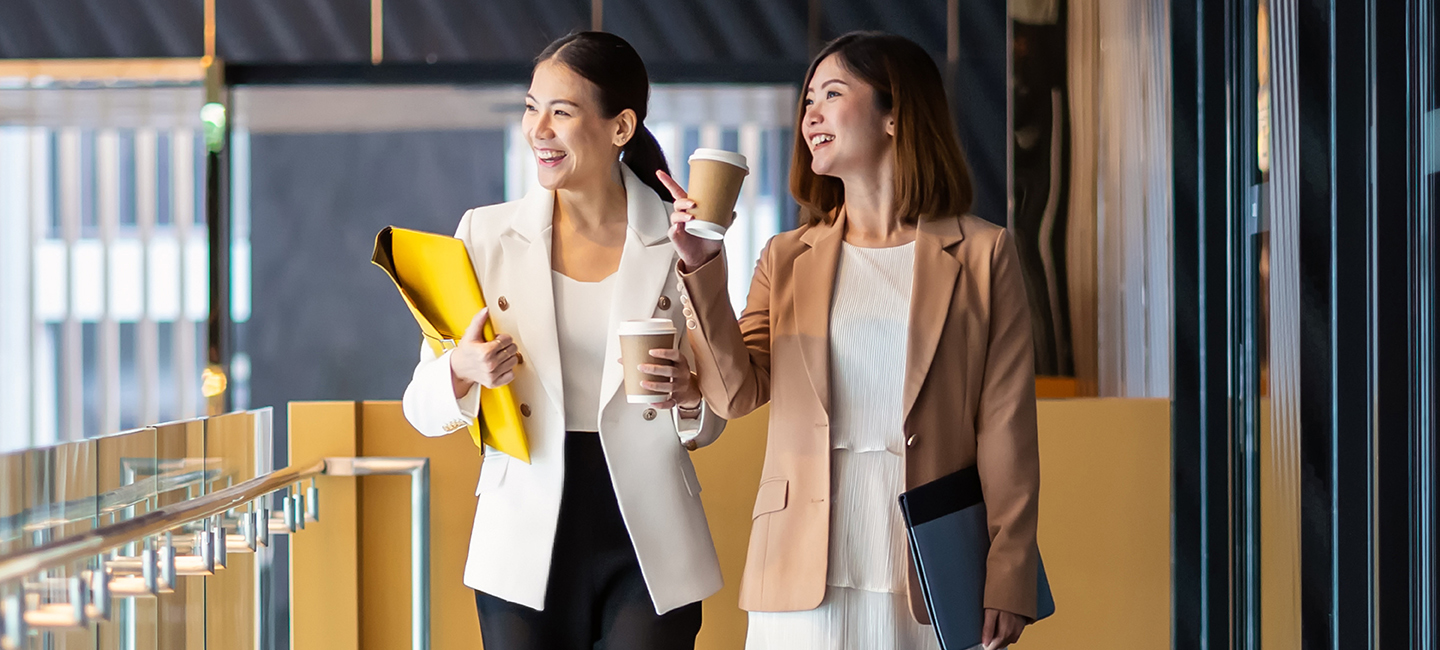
950	541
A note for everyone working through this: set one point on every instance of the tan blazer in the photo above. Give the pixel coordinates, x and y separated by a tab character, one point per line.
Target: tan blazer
969	397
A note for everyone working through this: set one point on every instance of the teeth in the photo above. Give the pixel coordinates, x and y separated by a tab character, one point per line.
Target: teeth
820	138
549	155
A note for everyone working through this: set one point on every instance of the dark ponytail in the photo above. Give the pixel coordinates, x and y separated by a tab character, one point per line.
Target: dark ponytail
618	73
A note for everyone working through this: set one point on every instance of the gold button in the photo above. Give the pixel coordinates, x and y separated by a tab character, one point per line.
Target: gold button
504	304
525	410
664	302
691	445
519	359
910	442
649	414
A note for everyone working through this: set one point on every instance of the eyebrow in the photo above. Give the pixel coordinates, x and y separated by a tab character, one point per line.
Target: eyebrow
828	82
553	101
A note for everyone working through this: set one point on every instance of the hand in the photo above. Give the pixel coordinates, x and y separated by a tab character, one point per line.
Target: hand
680	385
477	361
694	251
1001	628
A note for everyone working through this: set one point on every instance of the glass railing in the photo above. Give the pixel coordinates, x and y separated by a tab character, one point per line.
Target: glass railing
166	537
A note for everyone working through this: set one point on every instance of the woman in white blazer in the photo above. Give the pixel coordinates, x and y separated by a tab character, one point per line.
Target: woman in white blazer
601	539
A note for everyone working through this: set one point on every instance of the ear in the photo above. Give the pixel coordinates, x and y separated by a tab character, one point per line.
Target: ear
625	124
890	125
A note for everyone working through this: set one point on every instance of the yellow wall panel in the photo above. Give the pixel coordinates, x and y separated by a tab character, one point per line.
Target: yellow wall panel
385	534
324	558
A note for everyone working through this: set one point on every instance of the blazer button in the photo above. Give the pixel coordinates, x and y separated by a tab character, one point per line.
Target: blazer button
910	442
504	304
649	414
525	410
691	324
664	302
689	313
691	445
519	359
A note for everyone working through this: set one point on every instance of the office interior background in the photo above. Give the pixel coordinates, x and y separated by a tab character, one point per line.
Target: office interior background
1225	210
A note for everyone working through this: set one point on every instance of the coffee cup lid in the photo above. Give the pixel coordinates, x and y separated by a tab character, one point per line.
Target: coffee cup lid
721	155
646	326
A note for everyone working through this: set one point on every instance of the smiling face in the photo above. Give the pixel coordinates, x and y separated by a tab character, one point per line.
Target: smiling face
573	143
844	126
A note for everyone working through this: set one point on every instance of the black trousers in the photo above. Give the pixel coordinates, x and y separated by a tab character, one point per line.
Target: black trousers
596	598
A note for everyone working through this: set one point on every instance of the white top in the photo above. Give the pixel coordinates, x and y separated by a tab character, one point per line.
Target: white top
581	311
869	323
865	606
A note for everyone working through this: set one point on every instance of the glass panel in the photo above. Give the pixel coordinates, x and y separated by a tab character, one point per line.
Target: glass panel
1276	321
60	500
181	474
230	613
127	484
12	502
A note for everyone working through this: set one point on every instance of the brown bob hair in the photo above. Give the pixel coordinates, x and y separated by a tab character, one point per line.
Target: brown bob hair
932	178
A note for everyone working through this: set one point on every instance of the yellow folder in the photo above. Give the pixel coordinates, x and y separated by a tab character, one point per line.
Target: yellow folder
438	283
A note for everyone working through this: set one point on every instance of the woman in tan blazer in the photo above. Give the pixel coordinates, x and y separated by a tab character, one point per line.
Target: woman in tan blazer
891	335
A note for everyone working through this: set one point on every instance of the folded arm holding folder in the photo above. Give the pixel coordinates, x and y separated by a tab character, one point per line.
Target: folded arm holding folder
950	539
436	279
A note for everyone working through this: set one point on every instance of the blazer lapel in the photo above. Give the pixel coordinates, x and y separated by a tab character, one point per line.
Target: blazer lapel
814	286
528	242
647	261
937	270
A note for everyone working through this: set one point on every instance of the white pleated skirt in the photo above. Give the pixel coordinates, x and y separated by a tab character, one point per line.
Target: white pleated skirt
865	606
848	619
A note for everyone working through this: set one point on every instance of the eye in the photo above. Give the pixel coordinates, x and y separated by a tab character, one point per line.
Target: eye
808	102
529	108
561	113
831	94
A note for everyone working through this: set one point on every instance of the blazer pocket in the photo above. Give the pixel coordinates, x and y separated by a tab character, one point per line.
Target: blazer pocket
492	472
772	496
692	482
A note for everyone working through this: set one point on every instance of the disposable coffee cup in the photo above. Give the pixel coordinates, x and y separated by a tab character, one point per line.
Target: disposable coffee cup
637	339
715	179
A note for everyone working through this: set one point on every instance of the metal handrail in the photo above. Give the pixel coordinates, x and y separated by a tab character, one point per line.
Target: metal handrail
85	546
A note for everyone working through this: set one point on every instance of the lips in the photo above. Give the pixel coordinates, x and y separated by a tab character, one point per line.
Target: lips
549	157
818	140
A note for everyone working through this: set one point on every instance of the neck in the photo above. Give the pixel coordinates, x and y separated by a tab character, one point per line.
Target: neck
870	217
593	206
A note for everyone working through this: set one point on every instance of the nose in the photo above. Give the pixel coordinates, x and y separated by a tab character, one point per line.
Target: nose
812	115
540	128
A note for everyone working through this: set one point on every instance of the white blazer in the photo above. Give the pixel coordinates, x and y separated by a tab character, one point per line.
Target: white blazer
518	505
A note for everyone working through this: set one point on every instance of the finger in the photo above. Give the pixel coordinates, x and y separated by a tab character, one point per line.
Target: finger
659	370
658	386
500	342
665	405
987	636
666	353
500	353
476	329
506	365
680	217
670	184
503	379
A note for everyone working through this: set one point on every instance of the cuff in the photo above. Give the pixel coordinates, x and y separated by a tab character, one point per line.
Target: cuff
689	428
470	403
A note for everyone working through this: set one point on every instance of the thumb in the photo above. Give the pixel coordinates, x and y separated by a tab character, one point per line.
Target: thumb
475	332
988	636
